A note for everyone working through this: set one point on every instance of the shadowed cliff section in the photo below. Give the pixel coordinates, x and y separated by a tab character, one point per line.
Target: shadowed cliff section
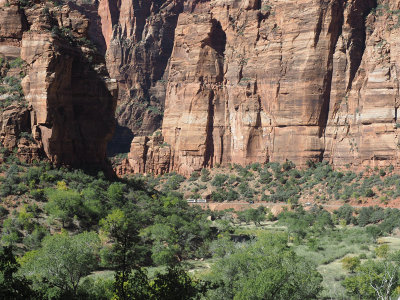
216	40
138	56
71	100
318	85
349	20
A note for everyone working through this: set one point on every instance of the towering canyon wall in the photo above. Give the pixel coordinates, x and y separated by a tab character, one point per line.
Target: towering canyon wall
70	99
257	81
208	82
140	36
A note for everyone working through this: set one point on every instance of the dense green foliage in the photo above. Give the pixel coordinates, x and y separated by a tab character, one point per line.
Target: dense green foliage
79	236
12	285
265	269
58	266
129	225
174	284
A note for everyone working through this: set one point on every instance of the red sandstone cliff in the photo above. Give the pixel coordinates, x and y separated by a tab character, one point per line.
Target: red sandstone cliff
207	82
274	80
70	98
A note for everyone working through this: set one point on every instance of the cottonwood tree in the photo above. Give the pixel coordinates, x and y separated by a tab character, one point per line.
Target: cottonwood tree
373	280
57	267
266	269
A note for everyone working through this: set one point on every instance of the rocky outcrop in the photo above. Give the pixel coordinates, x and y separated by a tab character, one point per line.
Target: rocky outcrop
149	155
12	26
68	88
13	121
363	121
257	81
233	81
71	98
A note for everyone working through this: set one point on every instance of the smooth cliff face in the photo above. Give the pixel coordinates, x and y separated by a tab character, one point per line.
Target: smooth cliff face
257	81
71	100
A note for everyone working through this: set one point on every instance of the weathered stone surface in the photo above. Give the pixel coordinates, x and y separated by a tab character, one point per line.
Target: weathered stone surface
12	26
149	155
29	151
257	81
139	50
71	97
230	80
12	22
13	121
363	126
72	105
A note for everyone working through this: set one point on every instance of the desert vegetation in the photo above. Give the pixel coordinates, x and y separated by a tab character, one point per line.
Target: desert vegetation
66	234
285	183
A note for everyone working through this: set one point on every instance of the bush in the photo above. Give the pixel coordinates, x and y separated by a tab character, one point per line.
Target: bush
369	193
382	251
194	176
174	182
205	175
219	180
63	205
16	63
350	263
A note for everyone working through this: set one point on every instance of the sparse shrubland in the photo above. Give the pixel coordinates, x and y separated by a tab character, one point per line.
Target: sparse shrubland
286	183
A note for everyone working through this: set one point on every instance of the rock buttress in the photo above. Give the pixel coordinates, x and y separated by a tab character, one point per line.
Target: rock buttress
71	97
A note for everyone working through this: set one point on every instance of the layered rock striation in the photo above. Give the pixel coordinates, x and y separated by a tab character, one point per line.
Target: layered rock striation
140	37
208	82
71	99
258	81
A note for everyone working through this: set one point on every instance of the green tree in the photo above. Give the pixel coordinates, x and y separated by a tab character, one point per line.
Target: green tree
374	231
373	280
266	269
253	215
122	230
174	284
63	204
13	286
177	236
61	263
135	286
115	194
345	212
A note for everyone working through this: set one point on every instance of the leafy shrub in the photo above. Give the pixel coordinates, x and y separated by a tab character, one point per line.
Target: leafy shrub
205	175
194	176
219	180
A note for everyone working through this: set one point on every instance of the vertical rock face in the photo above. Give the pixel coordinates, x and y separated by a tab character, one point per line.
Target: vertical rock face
138	54
149	155
257	81
227	81
13	121
71	98
72	105
12	25
363	126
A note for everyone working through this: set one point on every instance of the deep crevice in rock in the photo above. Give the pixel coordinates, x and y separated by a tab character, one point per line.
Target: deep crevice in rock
359	10
209	144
